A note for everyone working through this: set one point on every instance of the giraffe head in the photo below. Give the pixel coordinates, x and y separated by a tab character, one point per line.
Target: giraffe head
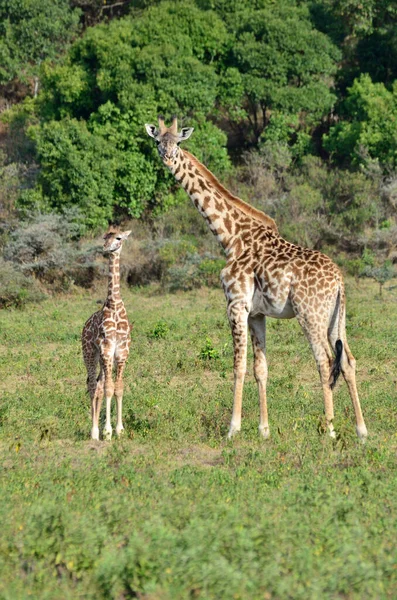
168	139
113	240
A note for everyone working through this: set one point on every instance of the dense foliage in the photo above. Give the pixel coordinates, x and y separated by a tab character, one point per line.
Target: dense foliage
295	83
31	32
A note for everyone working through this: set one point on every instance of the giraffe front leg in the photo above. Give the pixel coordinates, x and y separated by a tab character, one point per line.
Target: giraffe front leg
109	391
118	390
96	406
238	317
257	327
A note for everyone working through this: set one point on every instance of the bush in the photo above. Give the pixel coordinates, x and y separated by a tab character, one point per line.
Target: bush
381	273
46	247
194	271
208	352
17	289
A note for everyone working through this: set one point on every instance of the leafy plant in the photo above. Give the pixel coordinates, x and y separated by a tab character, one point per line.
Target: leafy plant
160	330
208	351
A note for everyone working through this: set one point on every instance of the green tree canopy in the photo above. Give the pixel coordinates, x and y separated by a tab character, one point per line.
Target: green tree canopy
277	61
369	125
91	142
31	32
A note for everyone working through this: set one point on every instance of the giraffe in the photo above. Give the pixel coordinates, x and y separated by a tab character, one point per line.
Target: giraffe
266	276
106	339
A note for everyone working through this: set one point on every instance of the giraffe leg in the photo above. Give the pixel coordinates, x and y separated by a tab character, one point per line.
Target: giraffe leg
91	358
318	340
348	368
118	391
109	390
238	317
97	403
257	326
324	360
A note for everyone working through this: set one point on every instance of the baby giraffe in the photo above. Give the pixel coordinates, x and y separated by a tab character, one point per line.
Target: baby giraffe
106	339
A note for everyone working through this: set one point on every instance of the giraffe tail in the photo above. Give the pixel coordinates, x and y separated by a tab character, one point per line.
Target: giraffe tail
336	367
337	364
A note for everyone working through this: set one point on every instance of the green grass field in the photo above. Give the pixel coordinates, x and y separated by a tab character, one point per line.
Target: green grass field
173	510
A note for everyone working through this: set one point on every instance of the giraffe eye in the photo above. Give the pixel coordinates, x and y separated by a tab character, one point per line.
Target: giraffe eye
118	238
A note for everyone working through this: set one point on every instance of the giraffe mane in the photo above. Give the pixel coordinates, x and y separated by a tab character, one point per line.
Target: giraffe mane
246	208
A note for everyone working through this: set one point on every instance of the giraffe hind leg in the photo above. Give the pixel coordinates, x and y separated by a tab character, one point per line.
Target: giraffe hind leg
324	361
347	366
318	339
257	326
91	359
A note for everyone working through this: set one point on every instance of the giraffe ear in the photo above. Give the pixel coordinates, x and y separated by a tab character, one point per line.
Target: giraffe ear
152	131
125	234
185	134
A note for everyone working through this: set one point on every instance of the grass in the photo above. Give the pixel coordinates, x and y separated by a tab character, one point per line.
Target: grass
173	510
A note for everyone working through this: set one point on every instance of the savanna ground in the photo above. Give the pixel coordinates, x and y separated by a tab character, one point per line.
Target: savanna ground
173	510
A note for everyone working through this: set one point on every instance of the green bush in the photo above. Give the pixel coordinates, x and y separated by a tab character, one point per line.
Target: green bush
160	330
208	351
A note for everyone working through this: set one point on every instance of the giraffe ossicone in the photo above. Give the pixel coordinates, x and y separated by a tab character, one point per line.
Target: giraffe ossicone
106	339
266	276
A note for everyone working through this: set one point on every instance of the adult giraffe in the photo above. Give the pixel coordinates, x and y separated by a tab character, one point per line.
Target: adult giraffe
266	276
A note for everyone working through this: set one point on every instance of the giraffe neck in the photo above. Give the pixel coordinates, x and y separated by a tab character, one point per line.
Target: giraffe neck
113	297
227	216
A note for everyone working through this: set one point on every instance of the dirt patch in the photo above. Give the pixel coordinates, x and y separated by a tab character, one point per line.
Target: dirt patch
200	455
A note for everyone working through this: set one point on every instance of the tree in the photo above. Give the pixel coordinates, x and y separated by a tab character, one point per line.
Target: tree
369	123
366	31
277	61
31	32
91	143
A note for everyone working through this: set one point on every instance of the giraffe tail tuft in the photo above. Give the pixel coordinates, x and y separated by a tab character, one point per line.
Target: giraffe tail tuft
336	367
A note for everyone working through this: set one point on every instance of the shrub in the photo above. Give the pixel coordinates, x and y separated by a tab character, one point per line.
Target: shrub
17	289
160	330
208	352
194	271
46	247
381	274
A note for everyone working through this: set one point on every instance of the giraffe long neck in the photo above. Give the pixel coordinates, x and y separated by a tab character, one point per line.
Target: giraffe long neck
227	216
113	296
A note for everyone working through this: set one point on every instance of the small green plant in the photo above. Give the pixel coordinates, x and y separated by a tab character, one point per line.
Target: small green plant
159	331
208	352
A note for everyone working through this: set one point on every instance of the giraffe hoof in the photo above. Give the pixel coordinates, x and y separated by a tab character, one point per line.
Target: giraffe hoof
232	431
120	431
362	433
332	433
264	432
107	435
95	434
